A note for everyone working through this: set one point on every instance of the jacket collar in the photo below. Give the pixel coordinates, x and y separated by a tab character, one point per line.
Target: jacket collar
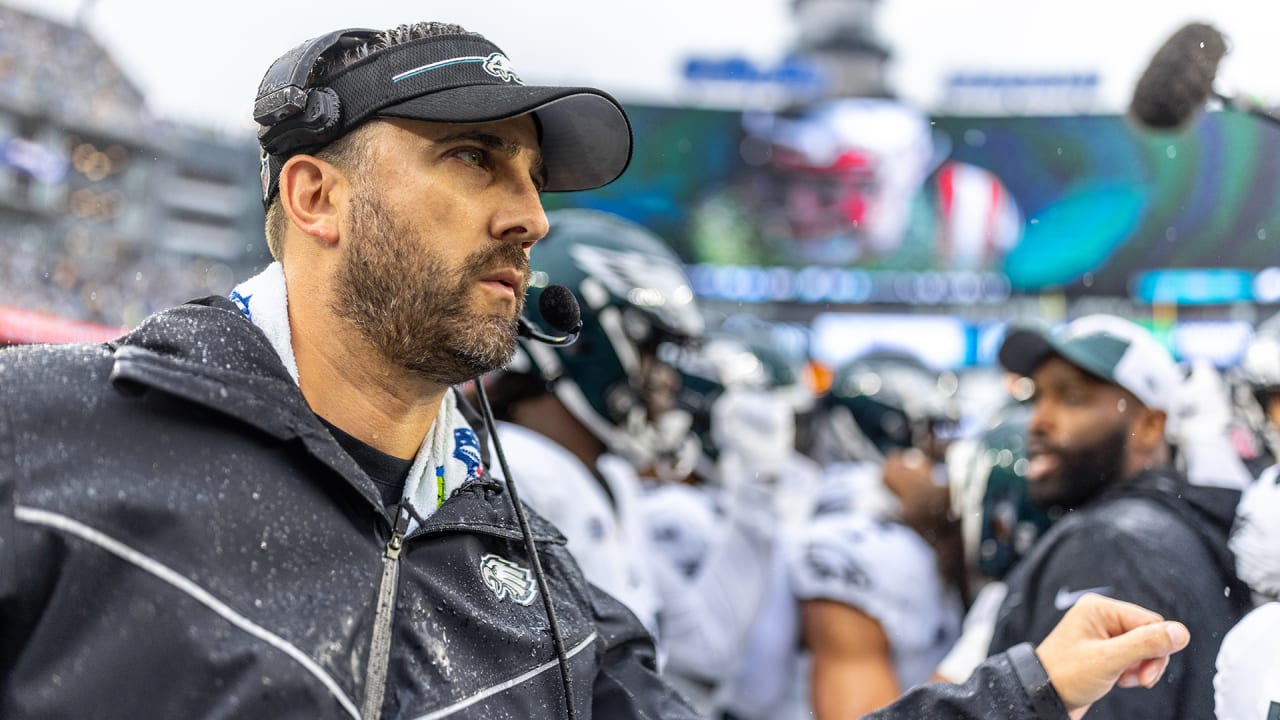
208	353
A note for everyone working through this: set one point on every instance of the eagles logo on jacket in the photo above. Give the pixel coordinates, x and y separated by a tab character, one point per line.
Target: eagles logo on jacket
180	536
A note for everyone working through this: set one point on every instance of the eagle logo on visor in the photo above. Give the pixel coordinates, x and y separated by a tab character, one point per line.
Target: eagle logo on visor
499	66
507	579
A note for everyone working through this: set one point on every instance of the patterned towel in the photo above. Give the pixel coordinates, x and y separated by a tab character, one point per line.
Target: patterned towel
450	453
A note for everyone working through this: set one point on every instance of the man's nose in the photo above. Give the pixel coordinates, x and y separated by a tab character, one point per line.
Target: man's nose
522	218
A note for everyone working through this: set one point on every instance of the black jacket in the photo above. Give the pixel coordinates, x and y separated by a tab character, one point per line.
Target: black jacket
1156	541
182	538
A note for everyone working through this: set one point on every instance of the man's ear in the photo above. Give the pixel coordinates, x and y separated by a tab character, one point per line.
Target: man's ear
311	194
1147	431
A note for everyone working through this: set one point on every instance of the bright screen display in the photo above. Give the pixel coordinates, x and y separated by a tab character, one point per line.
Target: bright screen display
874	200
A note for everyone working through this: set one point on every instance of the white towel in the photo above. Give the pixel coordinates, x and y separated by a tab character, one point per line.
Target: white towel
450	453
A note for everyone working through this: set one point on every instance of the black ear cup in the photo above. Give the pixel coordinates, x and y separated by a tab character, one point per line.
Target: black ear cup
291	115
316	124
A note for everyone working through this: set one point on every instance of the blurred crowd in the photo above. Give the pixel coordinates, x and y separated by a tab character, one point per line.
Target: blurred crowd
75	241
102	281
36	55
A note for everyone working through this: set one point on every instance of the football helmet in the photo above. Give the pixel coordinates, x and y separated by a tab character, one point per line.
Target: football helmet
736	407
635	299
999	523
888	401
845	173
1257	382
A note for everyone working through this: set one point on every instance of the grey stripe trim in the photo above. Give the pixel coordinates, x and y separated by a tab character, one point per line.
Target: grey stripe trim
495	689
36	516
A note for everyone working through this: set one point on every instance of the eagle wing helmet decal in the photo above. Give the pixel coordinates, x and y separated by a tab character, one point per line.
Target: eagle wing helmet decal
507	579
499	66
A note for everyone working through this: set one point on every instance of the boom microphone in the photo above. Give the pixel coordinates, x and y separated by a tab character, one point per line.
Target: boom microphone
559	308
1179	81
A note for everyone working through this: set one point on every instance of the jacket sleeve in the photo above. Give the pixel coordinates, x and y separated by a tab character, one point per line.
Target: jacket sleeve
627	684
1012	685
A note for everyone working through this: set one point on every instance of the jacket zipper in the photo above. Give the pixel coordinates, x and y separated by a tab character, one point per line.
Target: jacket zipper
375	683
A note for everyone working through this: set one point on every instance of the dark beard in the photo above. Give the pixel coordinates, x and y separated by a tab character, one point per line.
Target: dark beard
1084	473
414	308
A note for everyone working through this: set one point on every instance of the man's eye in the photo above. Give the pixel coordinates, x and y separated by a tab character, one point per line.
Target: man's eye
471	156
1075	396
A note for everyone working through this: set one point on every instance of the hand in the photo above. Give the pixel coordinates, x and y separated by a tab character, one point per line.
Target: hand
1102	642
757	427
925	504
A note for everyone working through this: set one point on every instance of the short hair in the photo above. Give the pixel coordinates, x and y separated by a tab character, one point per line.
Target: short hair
347	151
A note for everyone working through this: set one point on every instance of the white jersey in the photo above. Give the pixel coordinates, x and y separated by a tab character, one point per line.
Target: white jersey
764	684
855	487
600	521
731	625
712	555
889	573
683	522
1247	683
971	649
1203	431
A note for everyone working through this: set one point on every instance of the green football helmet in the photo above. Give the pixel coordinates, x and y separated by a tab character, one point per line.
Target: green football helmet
636	303
999	523
718	364
887	401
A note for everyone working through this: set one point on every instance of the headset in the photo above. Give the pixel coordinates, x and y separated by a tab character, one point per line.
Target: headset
292	115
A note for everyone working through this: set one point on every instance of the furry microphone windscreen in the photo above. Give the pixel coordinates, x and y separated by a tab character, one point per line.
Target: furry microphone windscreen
1179	78
560	309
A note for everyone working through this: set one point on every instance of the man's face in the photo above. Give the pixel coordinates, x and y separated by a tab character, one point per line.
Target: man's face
1078	435
824	205
441	219
1272	408
658	384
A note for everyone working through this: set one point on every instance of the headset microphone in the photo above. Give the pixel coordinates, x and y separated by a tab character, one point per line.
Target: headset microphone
1179	80
559	308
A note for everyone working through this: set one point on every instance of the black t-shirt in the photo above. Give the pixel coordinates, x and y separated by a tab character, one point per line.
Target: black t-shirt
388	472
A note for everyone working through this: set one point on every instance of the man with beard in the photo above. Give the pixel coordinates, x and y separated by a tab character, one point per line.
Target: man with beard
1130	527
270	506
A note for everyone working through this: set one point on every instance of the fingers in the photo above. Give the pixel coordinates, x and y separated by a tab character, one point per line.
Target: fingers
1103	642
1146	650
1144	674
1150	674
1116	616
1129	678
1146	642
